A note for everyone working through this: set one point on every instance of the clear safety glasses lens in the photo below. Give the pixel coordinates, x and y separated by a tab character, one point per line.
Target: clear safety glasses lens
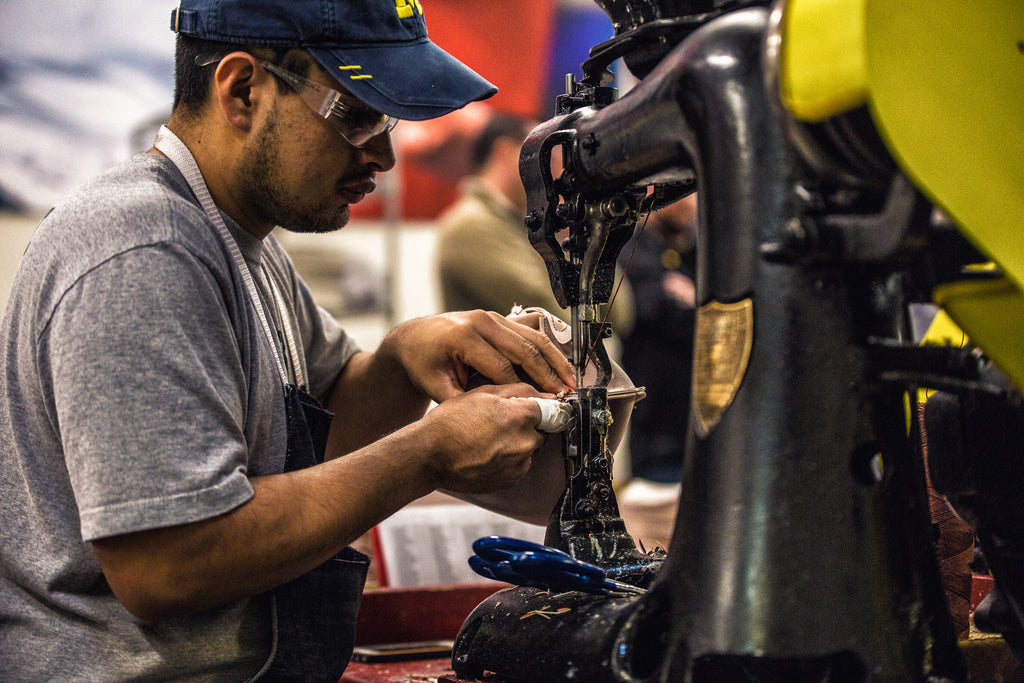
356	123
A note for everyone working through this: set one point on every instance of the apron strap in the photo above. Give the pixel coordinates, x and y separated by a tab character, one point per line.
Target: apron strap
175	150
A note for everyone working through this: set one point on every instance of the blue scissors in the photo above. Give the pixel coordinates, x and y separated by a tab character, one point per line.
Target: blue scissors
525	563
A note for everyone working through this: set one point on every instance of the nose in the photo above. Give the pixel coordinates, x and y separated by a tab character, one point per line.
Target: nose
378	152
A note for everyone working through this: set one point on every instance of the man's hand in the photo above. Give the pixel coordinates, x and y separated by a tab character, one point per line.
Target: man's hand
680	289
486	438
480	441
438	353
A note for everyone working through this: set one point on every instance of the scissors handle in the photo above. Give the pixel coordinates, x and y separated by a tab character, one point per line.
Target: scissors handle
493	546
525	563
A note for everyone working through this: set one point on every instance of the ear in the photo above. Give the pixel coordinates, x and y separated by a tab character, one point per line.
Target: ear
507	147
236	85
505	156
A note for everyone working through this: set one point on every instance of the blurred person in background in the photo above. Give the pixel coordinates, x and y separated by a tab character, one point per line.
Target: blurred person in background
484	256
657	354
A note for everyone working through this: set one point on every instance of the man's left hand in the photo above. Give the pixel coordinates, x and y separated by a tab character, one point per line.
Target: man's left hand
439	353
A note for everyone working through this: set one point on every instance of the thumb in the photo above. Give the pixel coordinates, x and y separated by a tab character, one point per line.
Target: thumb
449	381
555	416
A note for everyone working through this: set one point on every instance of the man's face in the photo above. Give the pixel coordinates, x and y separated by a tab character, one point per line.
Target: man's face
299	173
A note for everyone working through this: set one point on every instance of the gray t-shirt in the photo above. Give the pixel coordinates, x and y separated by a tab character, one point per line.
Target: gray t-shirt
138	391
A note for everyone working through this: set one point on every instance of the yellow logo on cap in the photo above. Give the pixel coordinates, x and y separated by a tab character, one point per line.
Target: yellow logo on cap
353	72
406	8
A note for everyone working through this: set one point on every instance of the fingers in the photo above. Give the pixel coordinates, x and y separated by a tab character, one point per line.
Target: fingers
505	344
551	415
531	319
555	416
437	353
491	438
517	390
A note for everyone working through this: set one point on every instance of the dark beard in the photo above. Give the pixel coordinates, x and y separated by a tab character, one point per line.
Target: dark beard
258	174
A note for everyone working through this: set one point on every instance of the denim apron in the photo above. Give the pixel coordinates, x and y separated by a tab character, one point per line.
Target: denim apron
314	615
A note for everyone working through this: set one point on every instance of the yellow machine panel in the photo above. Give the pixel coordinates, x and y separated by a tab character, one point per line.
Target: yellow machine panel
944	81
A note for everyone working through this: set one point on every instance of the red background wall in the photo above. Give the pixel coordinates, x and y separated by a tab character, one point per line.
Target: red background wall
509	44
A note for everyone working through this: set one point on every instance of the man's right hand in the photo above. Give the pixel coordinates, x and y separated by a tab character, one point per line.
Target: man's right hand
485	438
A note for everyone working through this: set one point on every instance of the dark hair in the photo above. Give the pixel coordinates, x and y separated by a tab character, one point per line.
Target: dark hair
501	126
192	82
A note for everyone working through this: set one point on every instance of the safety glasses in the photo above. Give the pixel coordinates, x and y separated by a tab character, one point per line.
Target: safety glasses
353	120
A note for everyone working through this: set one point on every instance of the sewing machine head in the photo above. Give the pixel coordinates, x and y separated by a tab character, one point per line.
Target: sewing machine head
802	543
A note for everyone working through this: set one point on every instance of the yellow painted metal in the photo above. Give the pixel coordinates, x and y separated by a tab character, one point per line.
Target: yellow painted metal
944	332
991	313
944	82
823	67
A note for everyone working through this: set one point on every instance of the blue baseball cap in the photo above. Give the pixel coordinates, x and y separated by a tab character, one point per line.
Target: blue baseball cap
377	49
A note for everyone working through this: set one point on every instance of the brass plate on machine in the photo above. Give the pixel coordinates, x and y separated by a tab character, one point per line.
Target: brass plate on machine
724	338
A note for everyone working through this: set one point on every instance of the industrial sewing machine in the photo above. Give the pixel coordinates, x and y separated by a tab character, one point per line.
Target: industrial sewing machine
852	157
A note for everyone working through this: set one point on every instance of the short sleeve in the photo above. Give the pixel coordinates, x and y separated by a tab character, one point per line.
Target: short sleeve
149	392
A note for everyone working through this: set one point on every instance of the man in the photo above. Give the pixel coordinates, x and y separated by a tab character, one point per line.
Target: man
484	256
657	354
174	504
